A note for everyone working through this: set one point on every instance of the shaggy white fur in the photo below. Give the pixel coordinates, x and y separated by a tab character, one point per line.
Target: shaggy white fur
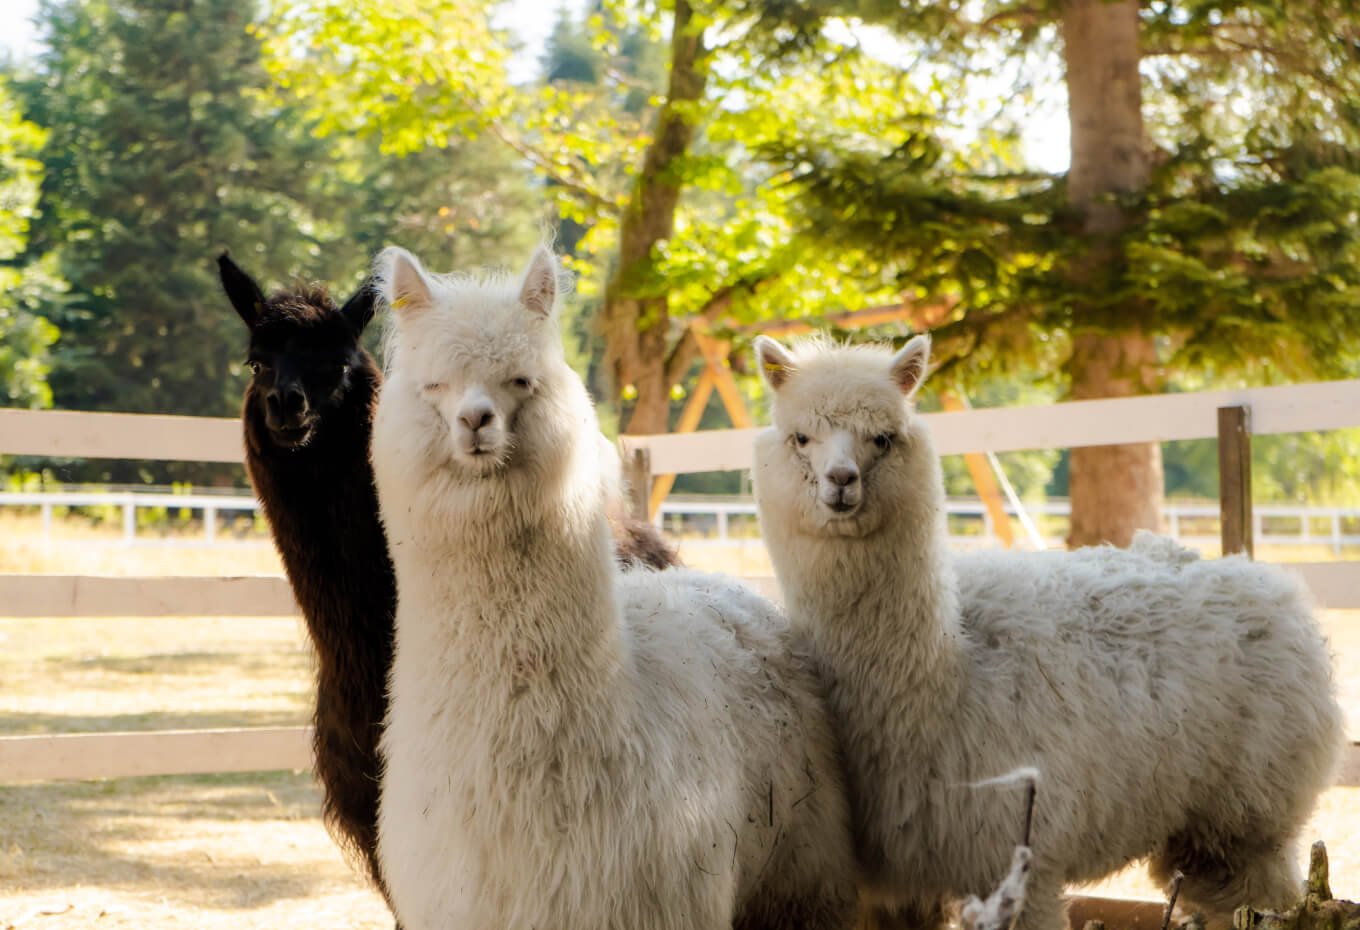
1176	708
569	747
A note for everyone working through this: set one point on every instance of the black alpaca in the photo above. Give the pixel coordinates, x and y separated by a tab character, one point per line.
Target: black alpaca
308	413
308	416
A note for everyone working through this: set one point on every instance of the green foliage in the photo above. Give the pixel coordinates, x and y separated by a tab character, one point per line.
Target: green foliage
166	147
1242	248
25	336
159	156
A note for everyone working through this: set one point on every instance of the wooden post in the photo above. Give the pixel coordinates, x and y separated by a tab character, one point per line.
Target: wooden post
689	420
1234	479
998	522
637	474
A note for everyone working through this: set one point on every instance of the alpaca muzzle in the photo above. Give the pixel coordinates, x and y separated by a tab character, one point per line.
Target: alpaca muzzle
840	488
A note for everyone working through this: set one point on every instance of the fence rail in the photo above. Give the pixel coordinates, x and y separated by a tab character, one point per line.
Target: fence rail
1342	523
1299	408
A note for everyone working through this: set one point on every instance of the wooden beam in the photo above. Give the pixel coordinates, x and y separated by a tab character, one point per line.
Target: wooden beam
1296	408
688	423
921	316
637	476
166	752
80	435
1123	913
1334	585
980	470
108	596
716	354
1234	478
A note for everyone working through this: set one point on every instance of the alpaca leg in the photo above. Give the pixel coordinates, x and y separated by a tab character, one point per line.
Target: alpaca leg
825	908
915	916
1221	877
1045	908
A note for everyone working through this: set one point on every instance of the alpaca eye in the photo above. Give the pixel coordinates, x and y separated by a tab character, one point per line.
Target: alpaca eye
883	441
434	387
522	384
801	439
255	367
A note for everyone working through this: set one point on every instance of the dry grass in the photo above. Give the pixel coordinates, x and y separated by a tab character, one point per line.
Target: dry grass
245	852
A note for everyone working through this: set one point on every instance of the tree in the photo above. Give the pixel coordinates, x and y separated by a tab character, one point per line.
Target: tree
1207	217
683	226
160	154
25	337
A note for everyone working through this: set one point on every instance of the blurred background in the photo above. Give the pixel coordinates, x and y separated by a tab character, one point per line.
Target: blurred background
1079	199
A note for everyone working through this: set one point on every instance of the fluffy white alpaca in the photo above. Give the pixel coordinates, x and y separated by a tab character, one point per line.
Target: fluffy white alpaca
568	747
1175	708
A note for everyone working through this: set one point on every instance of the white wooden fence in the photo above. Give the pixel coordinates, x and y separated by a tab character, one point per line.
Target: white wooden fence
1341	525
1299	408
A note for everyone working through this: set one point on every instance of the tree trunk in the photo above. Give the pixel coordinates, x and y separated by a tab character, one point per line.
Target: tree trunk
636	328
1114	489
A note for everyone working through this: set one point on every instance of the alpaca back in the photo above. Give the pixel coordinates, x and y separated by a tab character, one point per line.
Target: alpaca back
1173	707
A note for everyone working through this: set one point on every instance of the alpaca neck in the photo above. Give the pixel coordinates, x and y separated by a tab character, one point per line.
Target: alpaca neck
323	513
883	608
524	582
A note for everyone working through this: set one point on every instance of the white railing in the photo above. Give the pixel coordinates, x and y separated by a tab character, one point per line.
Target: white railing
679	515
129	502
127	436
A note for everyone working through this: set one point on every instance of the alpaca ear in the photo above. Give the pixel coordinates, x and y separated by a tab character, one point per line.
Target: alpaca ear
538	293
358	310
245	295
405	287
909	364
775	364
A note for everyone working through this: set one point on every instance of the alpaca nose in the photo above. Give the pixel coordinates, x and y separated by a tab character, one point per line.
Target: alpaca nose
477	417
287	404
842	476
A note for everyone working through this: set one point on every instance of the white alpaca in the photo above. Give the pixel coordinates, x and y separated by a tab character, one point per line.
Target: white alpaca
568	747
1175	708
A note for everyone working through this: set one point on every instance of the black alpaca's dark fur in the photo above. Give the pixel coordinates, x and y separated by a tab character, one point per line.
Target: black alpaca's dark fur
308	417
316	485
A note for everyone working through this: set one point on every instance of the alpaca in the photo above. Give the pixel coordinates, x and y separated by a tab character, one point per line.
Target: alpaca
569	746
308	416
1174	708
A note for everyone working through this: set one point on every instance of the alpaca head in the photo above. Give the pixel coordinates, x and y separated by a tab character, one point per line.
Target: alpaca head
843	427
304	351
478	366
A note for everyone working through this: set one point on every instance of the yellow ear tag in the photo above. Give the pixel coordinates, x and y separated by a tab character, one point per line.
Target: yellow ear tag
400	302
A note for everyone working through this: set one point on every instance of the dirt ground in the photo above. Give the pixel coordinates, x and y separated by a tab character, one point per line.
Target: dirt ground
246	852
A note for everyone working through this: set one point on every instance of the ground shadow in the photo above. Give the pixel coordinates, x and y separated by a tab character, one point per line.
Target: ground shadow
90	833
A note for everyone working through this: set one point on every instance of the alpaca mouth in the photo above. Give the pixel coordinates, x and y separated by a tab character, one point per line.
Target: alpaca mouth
293	437
842	502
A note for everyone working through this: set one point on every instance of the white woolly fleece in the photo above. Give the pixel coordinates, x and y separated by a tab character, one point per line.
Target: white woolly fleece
569	747
1176	708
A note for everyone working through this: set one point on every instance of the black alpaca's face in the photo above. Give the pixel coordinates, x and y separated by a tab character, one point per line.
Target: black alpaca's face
298	373
303	353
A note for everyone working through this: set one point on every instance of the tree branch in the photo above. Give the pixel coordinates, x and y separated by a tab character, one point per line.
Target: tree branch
544	164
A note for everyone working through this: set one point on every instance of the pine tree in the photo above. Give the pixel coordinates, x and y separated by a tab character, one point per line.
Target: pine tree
1207	219
160	154
25	336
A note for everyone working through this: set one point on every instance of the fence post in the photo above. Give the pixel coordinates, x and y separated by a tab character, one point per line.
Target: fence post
637	475
129	519
1234	479
210	524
